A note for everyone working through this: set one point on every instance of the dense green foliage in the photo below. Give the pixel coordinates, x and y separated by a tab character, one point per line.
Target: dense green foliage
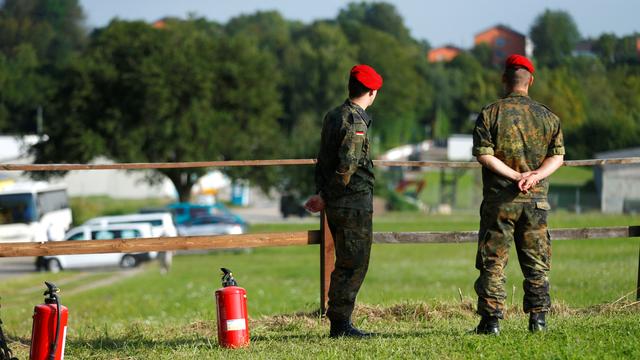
258	86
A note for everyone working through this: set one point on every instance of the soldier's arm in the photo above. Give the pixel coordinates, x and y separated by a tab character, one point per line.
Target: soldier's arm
497	166
548	167
350	150
553	161
483	150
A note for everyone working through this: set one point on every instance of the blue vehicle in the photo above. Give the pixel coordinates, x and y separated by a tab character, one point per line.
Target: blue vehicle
184	212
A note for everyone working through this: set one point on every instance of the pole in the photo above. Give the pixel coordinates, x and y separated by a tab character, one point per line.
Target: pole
638	283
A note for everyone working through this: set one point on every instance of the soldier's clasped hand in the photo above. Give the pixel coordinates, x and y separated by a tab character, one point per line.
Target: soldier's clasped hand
529	179
315	204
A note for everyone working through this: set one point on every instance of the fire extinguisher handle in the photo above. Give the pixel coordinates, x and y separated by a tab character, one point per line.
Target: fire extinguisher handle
227	278
52	289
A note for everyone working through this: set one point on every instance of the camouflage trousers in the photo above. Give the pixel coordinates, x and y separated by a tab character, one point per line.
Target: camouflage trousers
526	225
352	235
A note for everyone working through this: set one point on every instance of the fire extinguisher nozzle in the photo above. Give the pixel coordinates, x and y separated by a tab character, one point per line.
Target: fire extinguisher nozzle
52	289
227	278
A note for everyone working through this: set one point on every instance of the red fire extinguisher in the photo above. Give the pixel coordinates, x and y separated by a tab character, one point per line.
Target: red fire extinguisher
233	322
49	330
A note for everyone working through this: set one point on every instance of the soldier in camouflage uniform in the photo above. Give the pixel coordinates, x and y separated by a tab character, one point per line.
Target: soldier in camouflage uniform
519	143
344	183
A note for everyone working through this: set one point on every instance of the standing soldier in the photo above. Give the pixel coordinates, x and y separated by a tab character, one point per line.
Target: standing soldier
344	186
519	144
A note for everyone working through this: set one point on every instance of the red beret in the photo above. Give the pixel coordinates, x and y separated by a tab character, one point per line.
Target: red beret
367	76
519	61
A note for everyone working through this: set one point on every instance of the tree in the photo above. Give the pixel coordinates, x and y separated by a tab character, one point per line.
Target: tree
378	15
382	41
555	35
55	29
36	36
605	48
484	55
318	63
560	90
167	95
627	49
21	89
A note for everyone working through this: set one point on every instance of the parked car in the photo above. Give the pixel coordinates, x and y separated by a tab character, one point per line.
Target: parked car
211	225
292	205
184	212
55	263
161	222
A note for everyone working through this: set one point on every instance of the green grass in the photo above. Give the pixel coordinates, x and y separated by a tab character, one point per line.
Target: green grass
575	176
411	297
87	207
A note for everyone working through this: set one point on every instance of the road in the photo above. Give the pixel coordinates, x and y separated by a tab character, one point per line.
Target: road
262	210
11	267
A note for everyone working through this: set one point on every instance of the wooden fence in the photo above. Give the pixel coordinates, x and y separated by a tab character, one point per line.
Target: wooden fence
320	237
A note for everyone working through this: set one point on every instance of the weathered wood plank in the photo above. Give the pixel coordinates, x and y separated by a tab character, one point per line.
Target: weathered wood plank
166	165
276	239
439	237
280	162
159	244
427	237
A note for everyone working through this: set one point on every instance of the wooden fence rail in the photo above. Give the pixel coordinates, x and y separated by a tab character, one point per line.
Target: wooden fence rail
281	162
314	237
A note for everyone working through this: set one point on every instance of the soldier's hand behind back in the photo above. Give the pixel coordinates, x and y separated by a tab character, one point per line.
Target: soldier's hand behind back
315	204
529	180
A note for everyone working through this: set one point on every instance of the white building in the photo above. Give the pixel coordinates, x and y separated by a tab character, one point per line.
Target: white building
618	185
112	183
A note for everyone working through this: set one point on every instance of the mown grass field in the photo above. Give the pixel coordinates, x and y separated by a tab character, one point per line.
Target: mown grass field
411	297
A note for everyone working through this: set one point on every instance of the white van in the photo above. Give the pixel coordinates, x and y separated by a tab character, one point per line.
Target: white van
34	212
55	263
161	222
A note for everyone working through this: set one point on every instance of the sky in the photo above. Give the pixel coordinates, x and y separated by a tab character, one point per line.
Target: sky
440	22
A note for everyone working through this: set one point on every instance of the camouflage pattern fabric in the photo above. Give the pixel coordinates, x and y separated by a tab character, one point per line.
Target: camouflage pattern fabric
344	178
525	224
352	234
521	133
344	172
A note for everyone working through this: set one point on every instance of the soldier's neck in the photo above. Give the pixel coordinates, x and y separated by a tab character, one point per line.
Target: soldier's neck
361	101
519	90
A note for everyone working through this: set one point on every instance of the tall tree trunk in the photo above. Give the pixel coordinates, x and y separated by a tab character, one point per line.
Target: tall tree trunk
182	181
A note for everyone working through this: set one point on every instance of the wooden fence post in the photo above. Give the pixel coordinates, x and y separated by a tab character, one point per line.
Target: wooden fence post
638	283
634	231
327	261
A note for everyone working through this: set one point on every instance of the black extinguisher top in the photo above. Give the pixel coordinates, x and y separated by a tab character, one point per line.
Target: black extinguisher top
51	293
227	278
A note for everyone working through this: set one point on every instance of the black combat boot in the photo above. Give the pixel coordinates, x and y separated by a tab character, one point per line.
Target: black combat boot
489	325
346	328
537	322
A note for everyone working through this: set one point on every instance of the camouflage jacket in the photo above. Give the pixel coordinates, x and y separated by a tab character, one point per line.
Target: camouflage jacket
344	172
521	133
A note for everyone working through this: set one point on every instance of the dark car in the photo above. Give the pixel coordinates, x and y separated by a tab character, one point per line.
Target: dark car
292	205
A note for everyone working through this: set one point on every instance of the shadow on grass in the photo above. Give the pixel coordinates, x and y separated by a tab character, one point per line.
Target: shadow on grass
377	335
125	342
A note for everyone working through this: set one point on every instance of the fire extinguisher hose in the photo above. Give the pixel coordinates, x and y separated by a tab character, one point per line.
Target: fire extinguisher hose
5	352
54	344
